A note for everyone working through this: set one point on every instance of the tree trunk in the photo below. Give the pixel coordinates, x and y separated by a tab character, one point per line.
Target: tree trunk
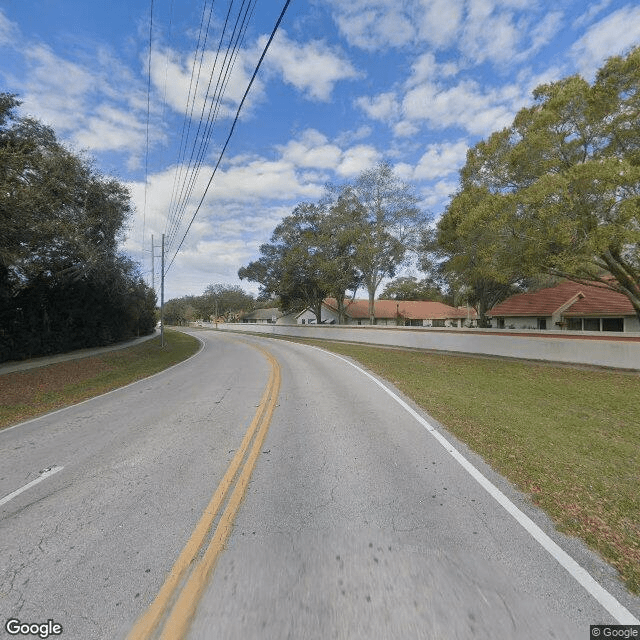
340	305
317	310
372	311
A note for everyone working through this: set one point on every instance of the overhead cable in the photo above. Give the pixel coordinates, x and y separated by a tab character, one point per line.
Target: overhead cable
233	126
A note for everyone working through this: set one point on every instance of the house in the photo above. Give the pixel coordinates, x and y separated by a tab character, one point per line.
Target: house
413	313
262	316
568	305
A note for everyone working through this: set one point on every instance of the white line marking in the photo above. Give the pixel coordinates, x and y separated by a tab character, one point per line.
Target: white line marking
44	474
609	602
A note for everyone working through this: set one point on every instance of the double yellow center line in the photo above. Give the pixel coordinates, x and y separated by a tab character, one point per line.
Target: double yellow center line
169	615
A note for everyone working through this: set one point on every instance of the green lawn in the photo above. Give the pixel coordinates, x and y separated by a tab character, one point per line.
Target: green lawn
30	393
567	436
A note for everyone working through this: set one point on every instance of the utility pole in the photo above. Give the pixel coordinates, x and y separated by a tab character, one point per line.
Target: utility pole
162	297
153	274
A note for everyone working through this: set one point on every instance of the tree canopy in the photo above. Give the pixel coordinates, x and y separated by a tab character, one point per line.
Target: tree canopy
357	234
63	282
557	192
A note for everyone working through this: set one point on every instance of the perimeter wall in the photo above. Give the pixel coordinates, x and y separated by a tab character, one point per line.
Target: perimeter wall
608	350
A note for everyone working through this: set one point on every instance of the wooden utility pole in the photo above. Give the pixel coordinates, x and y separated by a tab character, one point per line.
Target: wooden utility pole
162	296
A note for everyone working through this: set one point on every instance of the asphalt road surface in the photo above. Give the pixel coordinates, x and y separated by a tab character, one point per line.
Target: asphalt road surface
265	489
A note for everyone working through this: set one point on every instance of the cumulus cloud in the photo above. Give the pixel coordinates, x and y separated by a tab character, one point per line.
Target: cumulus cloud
481	30
375	24
440	160
357	159
189	85
383	107
613	35
464	105
313	67
311	150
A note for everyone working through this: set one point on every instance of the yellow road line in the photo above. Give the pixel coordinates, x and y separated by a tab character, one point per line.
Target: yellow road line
179	618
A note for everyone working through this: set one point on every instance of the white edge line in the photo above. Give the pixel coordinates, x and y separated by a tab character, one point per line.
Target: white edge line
43	476
102	395
583	577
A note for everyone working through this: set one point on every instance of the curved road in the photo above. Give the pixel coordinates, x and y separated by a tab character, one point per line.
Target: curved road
266	489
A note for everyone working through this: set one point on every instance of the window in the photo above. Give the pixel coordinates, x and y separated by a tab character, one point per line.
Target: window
437	323
613	324
542	324
574	324
500	323
591	324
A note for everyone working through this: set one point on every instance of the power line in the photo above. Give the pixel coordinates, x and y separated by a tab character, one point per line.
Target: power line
233	126
146	155
186	122
227	65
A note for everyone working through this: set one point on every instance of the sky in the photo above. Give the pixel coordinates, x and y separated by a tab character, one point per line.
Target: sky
345	84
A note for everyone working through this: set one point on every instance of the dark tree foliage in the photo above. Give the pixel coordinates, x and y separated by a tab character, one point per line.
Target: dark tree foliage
63	284
218	302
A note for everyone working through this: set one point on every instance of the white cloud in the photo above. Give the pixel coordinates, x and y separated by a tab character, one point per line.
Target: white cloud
312	150
440	160
438	195
357	159
185	83
9	31
383	107
489	36
313	67
611	36
375	24
441	21
592	11
425	68
464	105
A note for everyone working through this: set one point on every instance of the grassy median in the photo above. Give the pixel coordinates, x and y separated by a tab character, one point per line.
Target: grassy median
569	437
27	394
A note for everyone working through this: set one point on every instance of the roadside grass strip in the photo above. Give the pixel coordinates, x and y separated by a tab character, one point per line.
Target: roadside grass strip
28	394
568	437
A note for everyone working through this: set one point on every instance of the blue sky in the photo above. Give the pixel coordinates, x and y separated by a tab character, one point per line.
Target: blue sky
346	84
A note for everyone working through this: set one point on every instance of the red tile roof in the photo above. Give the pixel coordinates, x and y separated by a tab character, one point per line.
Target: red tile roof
579	299
409	309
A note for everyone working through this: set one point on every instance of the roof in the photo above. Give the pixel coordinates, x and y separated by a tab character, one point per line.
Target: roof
569	298
263	314
409	309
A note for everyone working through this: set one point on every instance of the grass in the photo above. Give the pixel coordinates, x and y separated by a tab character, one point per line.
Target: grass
27	394
568	437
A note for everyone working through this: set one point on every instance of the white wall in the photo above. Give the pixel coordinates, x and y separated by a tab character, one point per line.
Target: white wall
602	349
631	324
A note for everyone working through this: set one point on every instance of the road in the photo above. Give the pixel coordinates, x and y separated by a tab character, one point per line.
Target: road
342	517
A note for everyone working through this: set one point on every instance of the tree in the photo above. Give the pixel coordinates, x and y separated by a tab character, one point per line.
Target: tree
340	228
561	186
463	247
391	225
292	265
410	288
63	283
225	300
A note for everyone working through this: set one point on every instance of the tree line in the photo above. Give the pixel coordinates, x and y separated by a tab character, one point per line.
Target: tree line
63	282
219	301
357	235
554	195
